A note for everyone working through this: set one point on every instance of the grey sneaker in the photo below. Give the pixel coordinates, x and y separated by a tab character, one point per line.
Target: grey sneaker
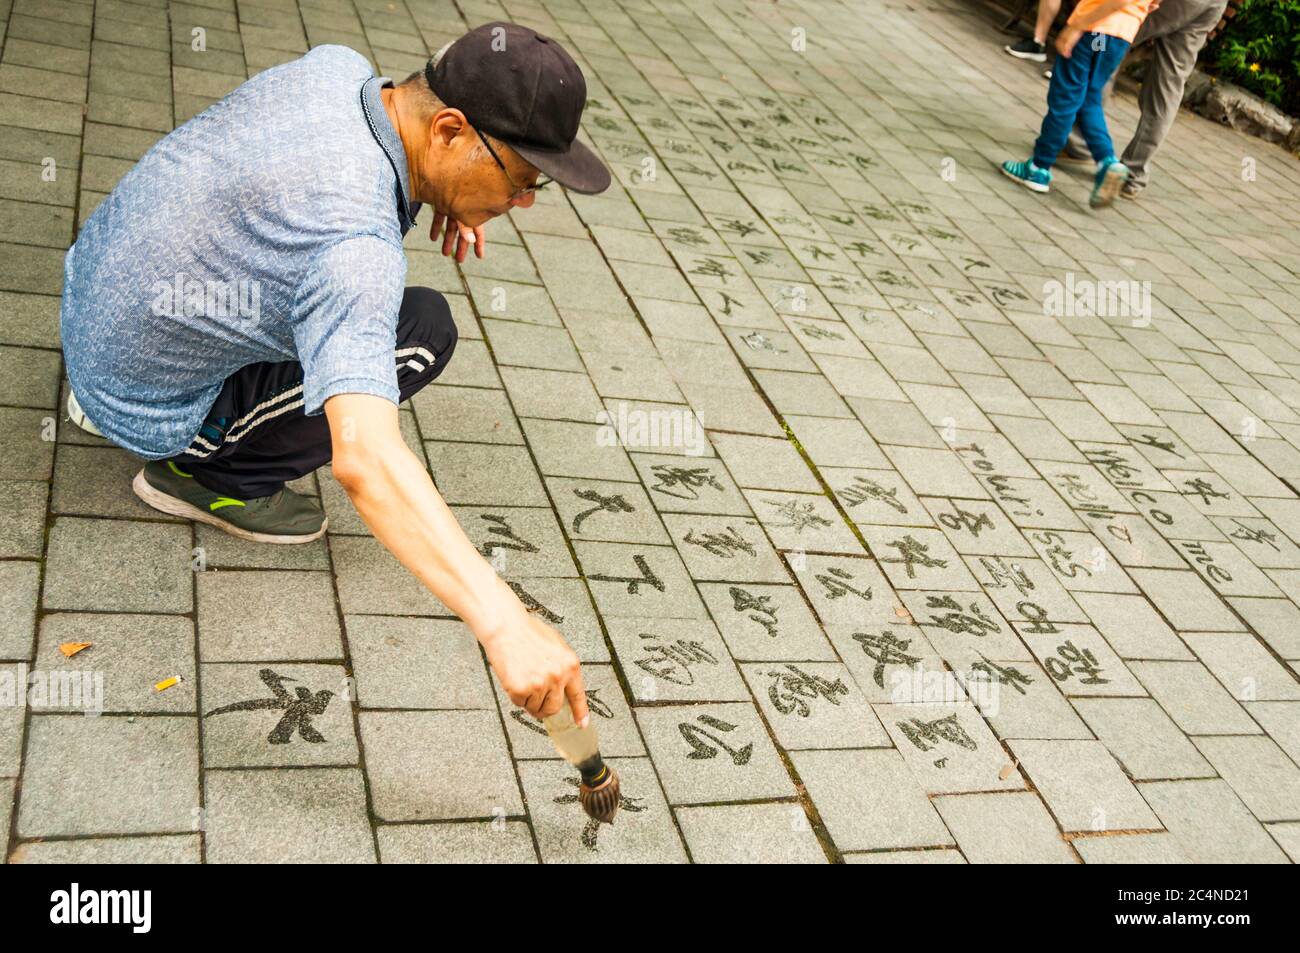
282	517
1131	189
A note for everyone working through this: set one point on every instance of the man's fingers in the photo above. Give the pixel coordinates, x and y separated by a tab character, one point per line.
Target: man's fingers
480	244
449	236
552	703
577	696
435	229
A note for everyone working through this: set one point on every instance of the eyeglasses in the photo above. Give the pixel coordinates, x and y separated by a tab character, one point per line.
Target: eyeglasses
519	192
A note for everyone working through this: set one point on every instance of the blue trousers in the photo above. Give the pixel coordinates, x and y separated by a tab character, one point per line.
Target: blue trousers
1075	95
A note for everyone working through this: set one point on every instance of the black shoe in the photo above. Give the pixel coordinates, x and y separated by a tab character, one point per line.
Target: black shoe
1028	49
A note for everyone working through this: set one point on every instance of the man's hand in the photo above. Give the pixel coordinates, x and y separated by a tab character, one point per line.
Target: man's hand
461	236
537	669
393	493
1066	39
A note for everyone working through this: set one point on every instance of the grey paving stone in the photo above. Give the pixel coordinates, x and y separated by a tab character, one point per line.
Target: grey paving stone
1132	627
1012	828
675	660
1193	698
763	463
460	413
750	834
1244	666
1084	787
836	443
638	581
485	474
276	715
941	856
724	548
371	581
109	775
224	551
949	748
410	755
876	497
19	582
160	849
1080	662
261	615
416	663
520	542
1261	774
118	566
869	800
814	705
801	521
766	622
128	655
1143	739
309	815
1019	700
1159	848
554	395
96	481
699	485
963	626
714	752
1210	823
616	512
477	842
643	830
22	518
1186	602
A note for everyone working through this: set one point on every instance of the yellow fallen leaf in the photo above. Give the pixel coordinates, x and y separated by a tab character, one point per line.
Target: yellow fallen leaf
72	648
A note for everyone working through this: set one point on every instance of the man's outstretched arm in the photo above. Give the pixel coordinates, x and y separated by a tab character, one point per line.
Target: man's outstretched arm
394	494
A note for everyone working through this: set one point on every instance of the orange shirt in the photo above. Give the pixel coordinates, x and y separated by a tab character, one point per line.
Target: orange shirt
1123	23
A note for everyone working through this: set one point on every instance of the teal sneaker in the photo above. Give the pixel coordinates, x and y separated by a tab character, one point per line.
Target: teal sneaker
1029	175
282	517
1111	176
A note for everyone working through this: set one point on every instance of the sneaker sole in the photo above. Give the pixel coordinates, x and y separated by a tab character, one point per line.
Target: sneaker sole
78	417
1111	183
1032	186
173	506
1032	57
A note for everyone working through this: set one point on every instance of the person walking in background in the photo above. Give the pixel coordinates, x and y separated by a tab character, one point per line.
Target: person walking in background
1035	48
1176	30
1091	46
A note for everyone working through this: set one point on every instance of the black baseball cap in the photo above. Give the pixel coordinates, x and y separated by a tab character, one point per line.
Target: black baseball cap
522	88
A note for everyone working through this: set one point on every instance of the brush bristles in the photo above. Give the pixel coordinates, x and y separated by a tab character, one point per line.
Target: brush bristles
601	802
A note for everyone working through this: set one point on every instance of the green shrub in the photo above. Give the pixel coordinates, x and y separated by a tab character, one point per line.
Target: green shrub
1260	50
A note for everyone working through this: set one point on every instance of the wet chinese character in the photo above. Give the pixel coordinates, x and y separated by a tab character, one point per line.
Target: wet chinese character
760	608
672	661
724	545
683	482
834	581
987	671
974	621
298	711
798	515
1001	572
885	649
604	504
1261	536
634	582
1204	489
965	519
911	553
792	689
1074	660
701	751
864	489
926	735
532	605
501	527
591	829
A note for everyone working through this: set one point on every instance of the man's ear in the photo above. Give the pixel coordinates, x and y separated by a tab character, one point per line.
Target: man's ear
448	123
